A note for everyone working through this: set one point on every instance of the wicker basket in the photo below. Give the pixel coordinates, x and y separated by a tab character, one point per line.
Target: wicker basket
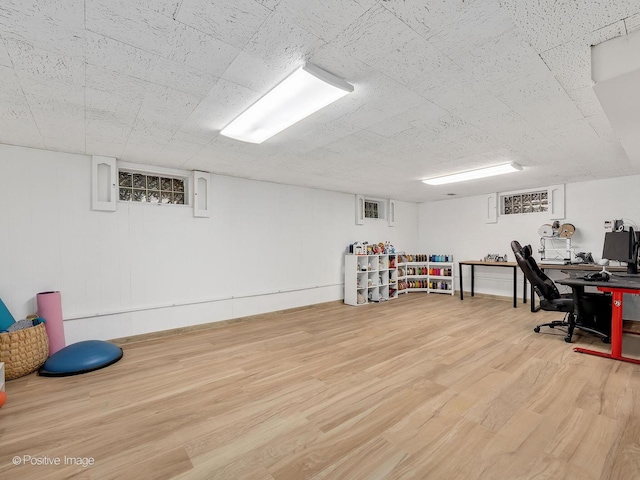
23	351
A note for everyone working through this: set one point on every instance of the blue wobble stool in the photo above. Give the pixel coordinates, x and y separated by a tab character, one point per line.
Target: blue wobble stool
81	357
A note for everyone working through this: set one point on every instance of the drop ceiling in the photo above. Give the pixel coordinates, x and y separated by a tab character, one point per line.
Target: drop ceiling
440	86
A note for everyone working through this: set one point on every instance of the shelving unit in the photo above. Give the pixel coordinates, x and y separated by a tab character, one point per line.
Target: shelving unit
382	277
403	286
429	273
370	278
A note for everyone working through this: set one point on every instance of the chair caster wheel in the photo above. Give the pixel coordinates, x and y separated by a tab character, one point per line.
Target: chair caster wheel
606	340
567	339
536	329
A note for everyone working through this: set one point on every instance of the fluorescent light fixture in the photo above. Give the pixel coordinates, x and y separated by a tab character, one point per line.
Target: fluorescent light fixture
302	93
473	174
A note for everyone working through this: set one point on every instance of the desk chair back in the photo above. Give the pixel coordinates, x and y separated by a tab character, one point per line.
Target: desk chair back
593	307
550	297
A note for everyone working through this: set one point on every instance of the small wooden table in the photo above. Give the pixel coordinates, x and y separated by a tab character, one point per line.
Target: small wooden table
481	263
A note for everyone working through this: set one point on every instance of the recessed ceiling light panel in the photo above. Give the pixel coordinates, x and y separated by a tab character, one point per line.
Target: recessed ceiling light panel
473	174
302	93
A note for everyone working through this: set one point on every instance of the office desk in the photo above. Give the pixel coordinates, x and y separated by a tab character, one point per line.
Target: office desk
481	263
587	267
617	286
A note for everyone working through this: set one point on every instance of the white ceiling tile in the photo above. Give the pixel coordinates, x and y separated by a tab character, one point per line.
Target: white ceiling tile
632	23
72	141
406	67
192	137
151	132
131	22
168	8
417	118
282	43
335	60
233	22
225	101
549	23
5	60
536	87
56	115
17	125
270	4
476	24
104	125
356	143
176	152
255	73
107	148
363	117
586	101
601	125
143	151
605	33
11	91
181	77
56	26
463	100
376	27
571	64
201	51
447	74
552	112
166	106
375	92
116	56
429	17
114	92
503	53
324	18
32	62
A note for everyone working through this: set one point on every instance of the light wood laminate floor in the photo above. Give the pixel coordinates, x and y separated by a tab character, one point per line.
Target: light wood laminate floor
426	386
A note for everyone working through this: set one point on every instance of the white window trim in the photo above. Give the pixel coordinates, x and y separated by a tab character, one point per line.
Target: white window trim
155	170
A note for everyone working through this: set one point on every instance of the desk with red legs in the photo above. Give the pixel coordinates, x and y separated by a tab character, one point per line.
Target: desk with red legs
617	286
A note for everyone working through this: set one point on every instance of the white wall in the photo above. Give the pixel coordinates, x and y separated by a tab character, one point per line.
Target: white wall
456	226
146	268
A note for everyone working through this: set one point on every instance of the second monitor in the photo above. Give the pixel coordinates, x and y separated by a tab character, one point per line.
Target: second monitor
622	247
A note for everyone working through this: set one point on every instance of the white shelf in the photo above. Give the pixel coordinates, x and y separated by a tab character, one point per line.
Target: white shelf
387	279
376	268
435	290
430	277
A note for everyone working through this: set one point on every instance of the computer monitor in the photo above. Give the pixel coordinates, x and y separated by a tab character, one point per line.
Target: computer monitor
623	247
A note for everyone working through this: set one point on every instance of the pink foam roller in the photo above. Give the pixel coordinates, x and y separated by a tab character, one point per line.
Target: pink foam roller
50	308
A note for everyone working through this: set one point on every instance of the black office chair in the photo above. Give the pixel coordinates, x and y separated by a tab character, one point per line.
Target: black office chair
592	306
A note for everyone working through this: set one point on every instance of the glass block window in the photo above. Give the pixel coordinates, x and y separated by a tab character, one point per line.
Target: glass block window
371	209
530	202
150	188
